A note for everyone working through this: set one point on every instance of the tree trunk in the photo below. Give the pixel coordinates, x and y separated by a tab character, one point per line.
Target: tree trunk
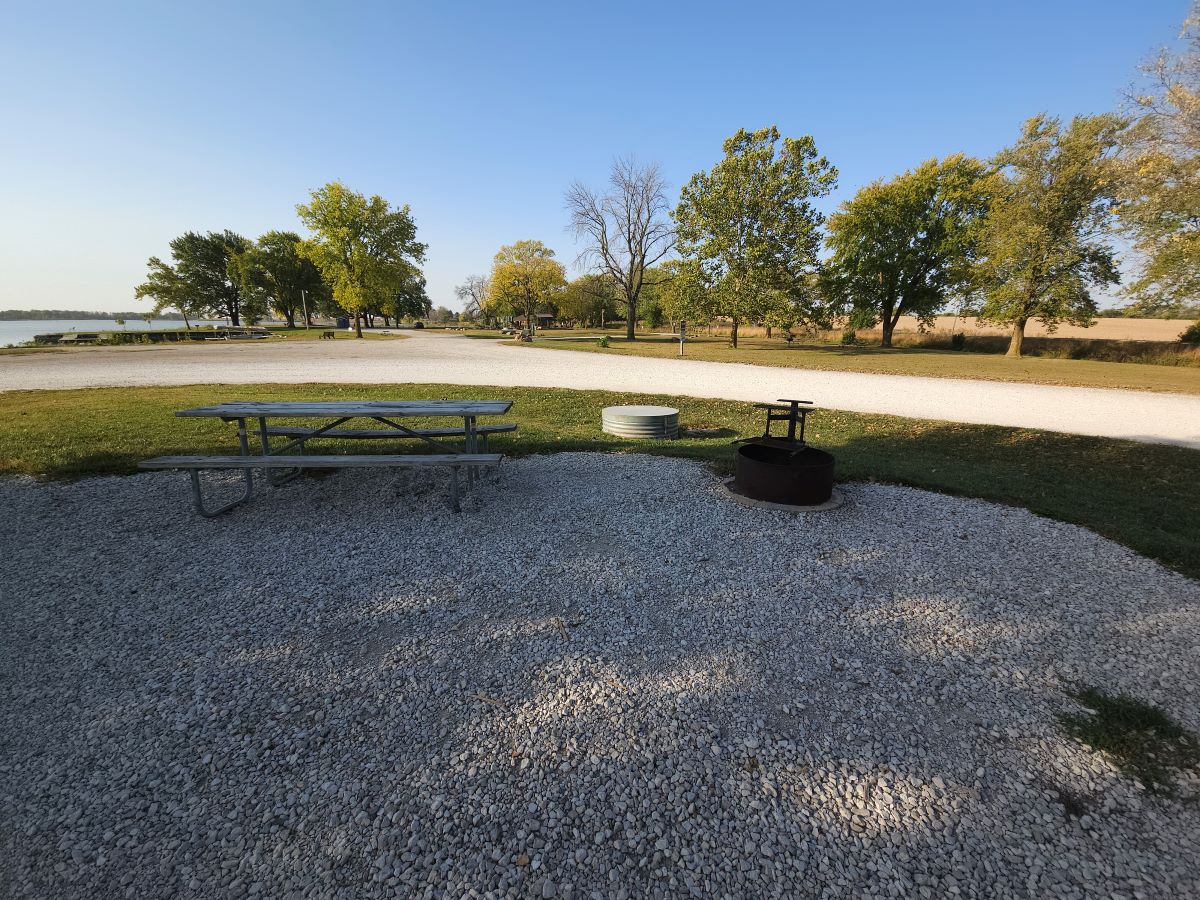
889	324
768	332
631	321
186	323
733	334
1017	340
290	315
358	325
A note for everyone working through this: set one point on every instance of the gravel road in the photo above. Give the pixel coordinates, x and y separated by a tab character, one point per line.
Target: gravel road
640	689
429	358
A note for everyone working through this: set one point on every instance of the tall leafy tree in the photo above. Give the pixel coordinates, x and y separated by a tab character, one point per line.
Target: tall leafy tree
364	248
275	269
169	292
751	223
410	300
202	261
906	246
1160	201
254	288
199	275
626	229
591	299
1045	242
525	279
684	293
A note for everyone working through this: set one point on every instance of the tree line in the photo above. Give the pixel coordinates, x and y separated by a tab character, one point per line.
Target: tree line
16	315
362	260
1025	235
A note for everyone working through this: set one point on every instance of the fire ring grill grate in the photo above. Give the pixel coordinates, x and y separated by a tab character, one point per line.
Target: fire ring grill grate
783	469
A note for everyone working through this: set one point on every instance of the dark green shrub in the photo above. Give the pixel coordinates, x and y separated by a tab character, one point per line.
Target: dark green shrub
1192	334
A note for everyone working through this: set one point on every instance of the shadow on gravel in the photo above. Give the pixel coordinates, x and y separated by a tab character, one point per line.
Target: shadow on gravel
344	680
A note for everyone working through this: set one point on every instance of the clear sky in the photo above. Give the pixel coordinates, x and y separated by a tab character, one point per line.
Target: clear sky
126	124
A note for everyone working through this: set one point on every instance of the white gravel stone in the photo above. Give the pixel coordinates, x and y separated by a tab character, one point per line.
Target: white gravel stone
570	689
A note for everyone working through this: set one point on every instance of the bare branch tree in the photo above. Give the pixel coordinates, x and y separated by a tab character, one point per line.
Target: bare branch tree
473	294
627	229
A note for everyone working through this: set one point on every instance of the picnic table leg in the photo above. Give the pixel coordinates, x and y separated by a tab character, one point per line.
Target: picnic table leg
471	440
198	500
274	479
244	441
247	492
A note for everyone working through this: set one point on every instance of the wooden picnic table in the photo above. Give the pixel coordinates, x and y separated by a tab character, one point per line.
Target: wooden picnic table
383	412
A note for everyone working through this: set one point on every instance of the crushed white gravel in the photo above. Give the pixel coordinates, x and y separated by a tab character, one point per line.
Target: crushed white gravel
601	680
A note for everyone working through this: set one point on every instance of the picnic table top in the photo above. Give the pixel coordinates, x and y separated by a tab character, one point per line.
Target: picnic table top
350	408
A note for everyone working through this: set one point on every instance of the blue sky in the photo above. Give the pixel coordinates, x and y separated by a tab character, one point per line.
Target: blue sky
127	124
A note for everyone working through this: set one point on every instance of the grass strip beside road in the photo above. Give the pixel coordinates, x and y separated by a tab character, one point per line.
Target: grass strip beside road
893	361
1142	495
339	334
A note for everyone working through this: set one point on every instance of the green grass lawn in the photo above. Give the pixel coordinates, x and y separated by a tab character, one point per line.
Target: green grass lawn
1145	496
896	361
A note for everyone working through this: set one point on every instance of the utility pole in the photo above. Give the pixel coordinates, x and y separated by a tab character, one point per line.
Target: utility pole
304	303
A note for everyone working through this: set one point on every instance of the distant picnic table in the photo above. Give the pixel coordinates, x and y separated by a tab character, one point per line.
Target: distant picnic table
290	457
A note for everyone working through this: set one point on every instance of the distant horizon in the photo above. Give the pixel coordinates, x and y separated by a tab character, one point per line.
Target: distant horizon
132	131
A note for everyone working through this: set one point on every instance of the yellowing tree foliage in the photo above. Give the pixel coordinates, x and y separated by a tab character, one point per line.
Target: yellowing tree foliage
525	279
1160	197
1045	243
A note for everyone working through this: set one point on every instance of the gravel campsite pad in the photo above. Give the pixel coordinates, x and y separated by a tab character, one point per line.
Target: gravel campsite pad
601	679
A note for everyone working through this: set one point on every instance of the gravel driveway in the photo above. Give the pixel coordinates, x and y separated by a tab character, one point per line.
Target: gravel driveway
451	359
640	689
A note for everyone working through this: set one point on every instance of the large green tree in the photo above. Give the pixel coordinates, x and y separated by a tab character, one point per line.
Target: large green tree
525	279
275	269
591	299
410	300
365	249
168	292
198	277
1160	199
751	223
1045	245
684	294
906	246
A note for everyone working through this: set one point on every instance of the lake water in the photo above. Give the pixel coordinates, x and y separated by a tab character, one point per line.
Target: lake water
22	330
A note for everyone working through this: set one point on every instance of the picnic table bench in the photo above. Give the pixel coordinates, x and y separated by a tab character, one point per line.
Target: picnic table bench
291	457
